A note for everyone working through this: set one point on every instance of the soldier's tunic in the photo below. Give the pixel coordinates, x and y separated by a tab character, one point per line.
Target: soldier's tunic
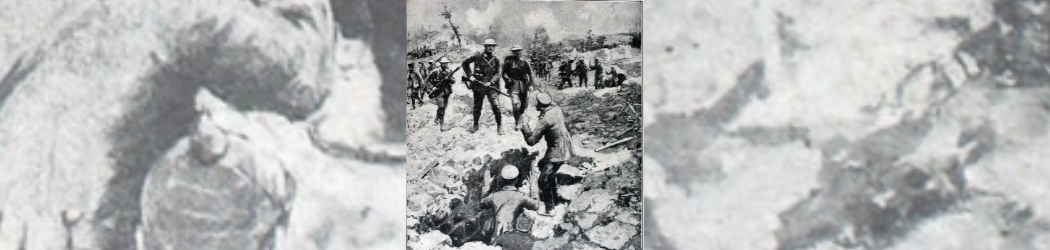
518	76
552	128
597	67
415	87
485	69
581	71
565	72
442	82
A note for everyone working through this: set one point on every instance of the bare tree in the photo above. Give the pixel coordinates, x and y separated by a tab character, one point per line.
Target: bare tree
447	14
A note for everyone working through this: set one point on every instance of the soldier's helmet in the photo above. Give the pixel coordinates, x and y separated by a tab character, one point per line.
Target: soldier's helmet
444	60
490	41
509	172
543	100
516	47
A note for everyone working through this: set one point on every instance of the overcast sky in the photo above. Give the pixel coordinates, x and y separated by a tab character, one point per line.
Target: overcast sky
559	18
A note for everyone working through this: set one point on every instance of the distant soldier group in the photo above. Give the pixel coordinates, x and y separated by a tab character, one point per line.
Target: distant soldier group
566	72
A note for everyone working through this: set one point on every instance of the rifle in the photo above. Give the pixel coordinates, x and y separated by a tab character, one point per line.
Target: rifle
493	88
437	90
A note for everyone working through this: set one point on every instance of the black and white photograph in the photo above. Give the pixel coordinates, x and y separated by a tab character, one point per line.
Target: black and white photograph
524	125
861	124
234	124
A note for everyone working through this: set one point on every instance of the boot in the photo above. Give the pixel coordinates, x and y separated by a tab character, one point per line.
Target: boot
474	129
499	129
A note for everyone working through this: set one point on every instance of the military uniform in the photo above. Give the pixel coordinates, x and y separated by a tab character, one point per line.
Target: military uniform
415	87
485	68
581	71
442	81
517	76
597	67
565	72
552	128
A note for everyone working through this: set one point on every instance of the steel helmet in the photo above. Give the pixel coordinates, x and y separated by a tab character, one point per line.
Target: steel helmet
444	60
509	172
490	41
516	47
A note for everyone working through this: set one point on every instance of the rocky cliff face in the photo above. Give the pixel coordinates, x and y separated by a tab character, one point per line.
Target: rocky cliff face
876	125
98	95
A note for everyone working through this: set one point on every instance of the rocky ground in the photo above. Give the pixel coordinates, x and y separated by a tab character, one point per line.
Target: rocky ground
601	190
142	125
847	125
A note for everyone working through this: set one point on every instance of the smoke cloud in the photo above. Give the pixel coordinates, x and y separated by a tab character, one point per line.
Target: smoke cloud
510	22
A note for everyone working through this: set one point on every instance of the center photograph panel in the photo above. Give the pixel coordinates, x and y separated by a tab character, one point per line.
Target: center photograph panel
523	125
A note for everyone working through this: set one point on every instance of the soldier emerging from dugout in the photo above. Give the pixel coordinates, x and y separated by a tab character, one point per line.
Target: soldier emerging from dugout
509	204
415	86
441	80
581	71
517	78
482	76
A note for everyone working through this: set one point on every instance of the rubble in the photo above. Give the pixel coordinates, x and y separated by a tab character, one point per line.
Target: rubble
429	241
910	146
591	186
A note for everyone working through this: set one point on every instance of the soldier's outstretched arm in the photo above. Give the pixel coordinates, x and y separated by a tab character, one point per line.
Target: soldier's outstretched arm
533	136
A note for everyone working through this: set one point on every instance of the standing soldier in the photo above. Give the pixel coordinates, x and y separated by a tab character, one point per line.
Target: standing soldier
441	80
415	86
581	71
482	71
565	72
517	76
552	128
421	69
597	67
612	77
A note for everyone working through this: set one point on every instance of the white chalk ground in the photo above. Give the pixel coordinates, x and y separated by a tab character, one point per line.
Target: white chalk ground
54	126
851	55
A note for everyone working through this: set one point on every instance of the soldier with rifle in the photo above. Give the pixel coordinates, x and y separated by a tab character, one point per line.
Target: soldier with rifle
482	71
517	76
565	72
581	71
441	80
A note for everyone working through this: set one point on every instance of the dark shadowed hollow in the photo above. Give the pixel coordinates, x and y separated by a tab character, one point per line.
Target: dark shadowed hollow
383	24
466	221
163	112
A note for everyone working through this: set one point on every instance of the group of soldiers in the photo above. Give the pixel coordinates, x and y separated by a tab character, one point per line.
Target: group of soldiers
482	73
566	72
